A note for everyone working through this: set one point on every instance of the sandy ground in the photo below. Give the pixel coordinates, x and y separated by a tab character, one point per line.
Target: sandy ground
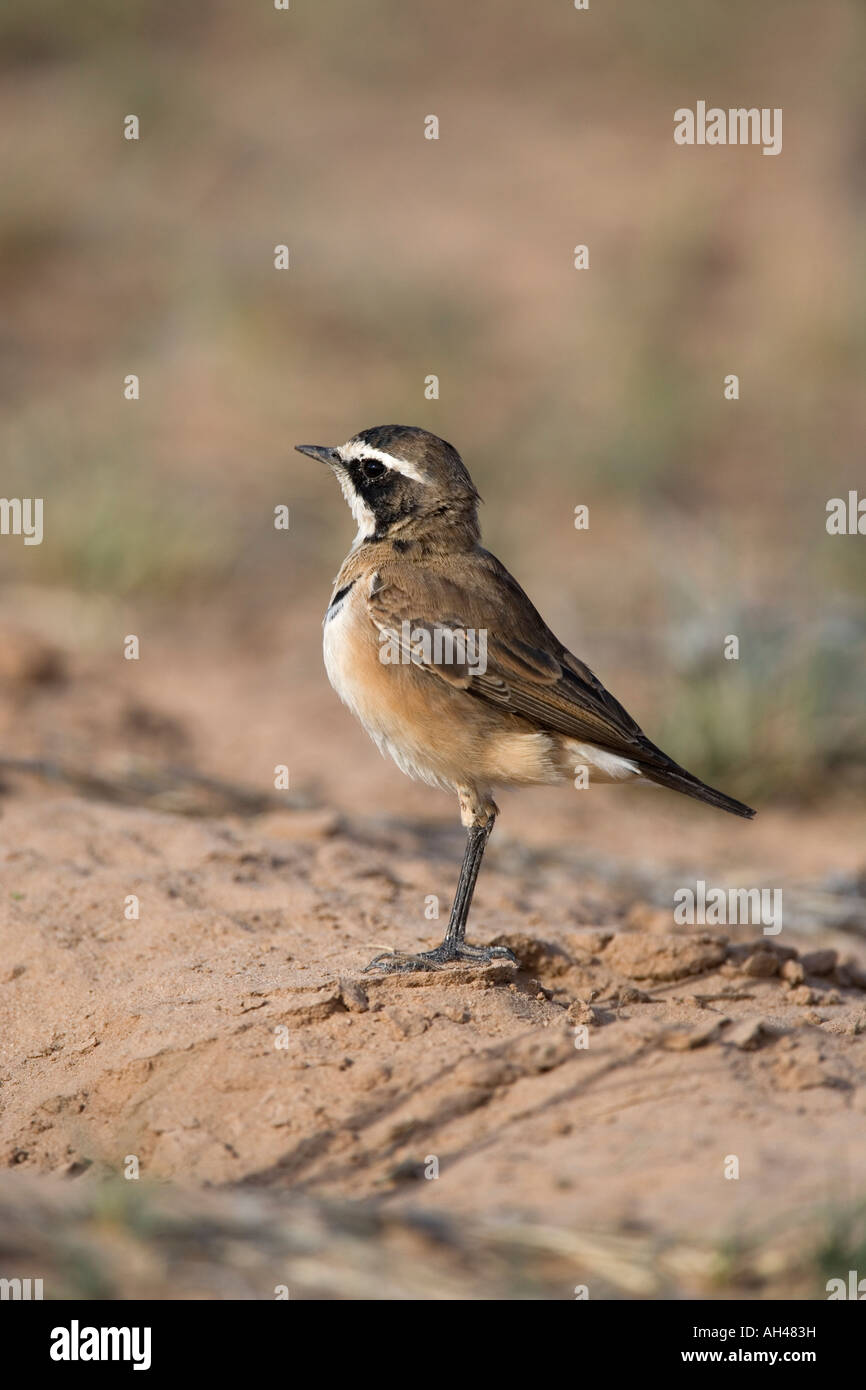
573	1121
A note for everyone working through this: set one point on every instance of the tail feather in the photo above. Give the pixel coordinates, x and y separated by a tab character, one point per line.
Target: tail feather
681	781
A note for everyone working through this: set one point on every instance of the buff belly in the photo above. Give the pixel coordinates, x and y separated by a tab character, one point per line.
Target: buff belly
440	734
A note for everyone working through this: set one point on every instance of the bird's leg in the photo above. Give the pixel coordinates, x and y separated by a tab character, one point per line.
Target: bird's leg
476	843
453	947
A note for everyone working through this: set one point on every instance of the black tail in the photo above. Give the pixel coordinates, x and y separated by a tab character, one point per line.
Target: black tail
681	781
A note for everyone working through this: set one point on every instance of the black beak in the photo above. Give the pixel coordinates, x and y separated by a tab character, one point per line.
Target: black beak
318	451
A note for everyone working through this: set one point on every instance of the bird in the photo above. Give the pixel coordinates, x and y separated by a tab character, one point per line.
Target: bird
435	647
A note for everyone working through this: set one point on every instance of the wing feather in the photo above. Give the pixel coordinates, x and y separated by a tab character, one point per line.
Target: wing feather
529	673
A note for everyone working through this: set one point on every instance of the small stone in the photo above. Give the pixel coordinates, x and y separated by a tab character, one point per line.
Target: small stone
354	997
628	994
804	995
783	952
761	965
850	974
819	962
579	1011
793	972
748	1033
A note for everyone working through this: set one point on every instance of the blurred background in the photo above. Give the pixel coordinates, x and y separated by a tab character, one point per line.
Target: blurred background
560	387
412	257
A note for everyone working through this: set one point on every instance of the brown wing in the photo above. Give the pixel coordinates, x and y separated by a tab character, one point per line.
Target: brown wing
529	673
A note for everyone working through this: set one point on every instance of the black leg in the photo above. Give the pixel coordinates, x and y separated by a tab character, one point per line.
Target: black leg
453	946
476	843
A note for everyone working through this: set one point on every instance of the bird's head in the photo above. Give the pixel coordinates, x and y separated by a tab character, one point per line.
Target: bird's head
402	481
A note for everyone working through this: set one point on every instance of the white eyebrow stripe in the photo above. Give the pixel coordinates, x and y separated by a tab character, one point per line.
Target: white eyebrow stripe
357	449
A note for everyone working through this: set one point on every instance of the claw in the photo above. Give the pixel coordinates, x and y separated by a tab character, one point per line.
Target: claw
396	962
399	963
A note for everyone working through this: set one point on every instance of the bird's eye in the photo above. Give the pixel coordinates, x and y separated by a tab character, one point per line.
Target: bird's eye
372	468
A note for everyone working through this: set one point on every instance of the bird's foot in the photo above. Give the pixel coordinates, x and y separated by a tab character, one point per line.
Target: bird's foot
448	953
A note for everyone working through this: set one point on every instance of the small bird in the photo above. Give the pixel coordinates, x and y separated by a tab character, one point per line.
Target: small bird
451	670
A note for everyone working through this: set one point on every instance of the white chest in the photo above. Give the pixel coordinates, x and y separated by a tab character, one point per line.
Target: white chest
356	675
340	661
